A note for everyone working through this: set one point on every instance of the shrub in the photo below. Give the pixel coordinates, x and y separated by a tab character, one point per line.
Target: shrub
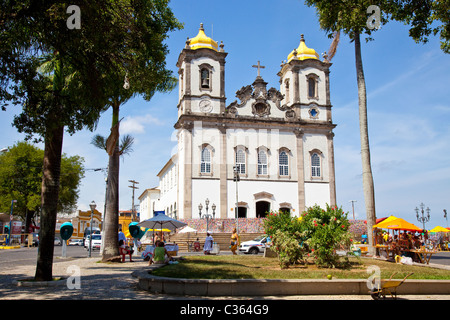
317	231
286	234
326	230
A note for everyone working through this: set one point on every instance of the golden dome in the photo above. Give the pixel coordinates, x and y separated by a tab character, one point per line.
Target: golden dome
303	52
202	41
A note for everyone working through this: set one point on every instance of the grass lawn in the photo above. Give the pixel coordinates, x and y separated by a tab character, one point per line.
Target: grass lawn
257	267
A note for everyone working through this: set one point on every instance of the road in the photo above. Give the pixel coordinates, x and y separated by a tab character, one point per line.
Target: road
28	256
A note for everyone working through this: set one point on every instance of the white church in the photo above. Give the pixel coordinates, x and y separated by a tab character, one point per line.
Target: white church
278	142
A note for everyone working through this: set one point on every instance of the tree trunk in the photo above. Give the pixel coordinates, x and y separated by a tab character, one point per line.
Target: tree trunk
111	223
49	200
368	187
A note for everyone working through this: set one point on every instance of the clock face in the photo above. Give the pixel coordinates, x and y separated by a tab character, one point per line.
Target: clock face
205	105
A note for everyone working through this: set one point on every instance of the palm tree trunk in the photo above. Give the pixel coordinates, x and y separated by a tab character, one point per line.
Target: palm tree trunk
111	238
368	187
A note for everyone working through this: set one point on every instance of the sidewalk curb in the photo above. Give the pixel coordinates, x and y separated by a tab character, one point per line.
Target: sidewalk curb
274	287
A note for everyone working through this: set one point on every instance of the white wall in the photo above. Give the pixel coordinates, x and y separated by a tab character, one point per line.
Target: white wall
282	192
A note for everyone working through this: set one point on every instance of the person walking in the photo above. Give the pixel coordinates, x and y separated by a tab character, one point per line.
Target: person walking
234	243
208	244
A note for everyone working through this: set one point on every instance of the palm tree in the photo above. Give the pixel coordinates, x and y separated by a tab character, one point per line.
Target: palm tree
114	150
351	19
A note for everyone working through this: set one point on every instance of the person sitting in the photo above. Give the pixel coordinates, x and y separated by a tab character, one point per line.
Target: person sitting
124	250
160	254
197	245
364	238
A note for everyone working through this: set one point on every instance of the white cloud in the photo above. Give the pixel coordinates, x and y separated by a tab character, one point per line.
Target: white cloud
138	124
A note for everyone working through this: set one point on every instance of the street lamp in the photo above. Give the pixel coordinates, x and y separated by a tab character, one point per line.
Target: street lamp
93	205
207	216
445	216
353	207
236	179
423	218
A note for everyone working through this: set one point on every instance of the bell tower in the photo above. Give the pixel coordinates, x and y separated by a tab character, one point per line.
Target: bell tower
201	69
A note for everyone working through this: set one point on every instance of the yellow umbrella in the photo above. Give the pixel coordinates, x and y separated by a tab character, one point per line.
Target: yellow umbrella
398	224
439	229
390	218
159	230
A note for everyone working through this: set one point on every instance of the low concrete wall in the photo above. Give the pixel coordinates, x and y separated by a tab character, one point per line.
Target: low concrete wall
271	287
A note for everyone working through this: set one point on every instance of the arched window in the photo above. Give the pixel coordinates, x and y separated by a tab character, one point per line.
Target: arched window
312	81
315	165
240	161
283	163
205	166
262	162
311	87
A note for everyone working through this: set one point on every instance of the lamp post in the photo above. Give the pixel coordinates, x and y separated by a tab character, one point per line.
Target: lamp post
353	207
207	216
236	179
10	220
93	205
423	218
445	216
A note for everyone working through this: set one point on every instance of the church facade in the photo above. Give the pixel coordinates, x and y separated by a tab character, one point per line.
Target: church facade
268	150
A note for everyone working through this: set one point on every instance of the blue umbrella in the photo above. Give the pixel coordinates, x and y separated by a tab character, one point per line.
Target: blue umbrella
161	221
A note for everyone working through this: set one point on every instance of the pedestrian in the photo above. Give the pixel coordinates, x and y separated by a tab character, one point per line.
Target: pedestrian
208	244
234	243
122	236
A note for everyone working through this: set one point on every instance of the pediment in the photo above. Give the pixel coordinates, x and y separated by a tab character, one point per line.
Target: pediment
263	195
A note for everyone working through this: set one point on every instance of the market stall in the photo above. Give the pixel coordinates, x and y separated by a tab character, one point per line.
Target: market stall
402	238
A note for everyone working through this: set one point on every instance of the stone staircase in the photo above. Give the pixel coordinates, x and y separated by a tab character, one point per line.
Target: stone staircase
222	238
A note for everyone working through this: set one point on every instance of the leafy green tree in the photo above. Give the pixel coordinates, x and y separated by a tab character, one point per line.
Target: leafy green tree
425	18
21	178
87	64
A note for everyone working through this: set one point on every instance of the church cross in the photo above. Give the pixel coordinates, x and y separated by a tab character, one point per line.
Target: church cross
259	66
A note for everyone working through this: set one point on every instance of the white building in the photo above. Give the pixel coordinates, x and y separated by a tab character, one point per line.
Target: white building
281	141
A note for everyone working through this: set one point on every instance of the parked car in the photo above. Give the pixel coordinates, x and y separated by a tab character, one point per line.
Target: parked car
58	241
75	242
96	241
254	246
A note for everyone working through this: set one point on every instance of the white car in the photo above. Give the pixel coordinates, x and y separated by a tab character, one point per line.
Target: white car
75	242
254	246
96	241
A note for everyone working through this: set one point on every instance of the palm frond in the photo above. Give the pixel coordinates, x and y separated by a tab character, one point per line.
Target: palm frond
126	144
99	142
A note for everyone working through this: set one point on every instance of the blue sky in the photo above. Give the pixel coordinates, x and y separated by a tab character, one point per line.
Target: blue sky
408	106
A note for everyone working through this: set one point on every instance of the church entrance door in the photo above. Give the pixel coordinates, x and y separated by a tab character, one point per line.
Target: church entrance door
262	209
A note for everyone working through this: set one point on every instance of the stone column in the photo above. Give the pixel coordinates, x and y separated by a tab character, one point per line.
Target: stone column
331	170
223	173
300	170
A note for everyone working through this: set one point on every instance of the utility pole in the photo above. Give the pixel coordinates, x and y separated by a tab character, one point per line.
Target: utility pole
133	214
353	207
